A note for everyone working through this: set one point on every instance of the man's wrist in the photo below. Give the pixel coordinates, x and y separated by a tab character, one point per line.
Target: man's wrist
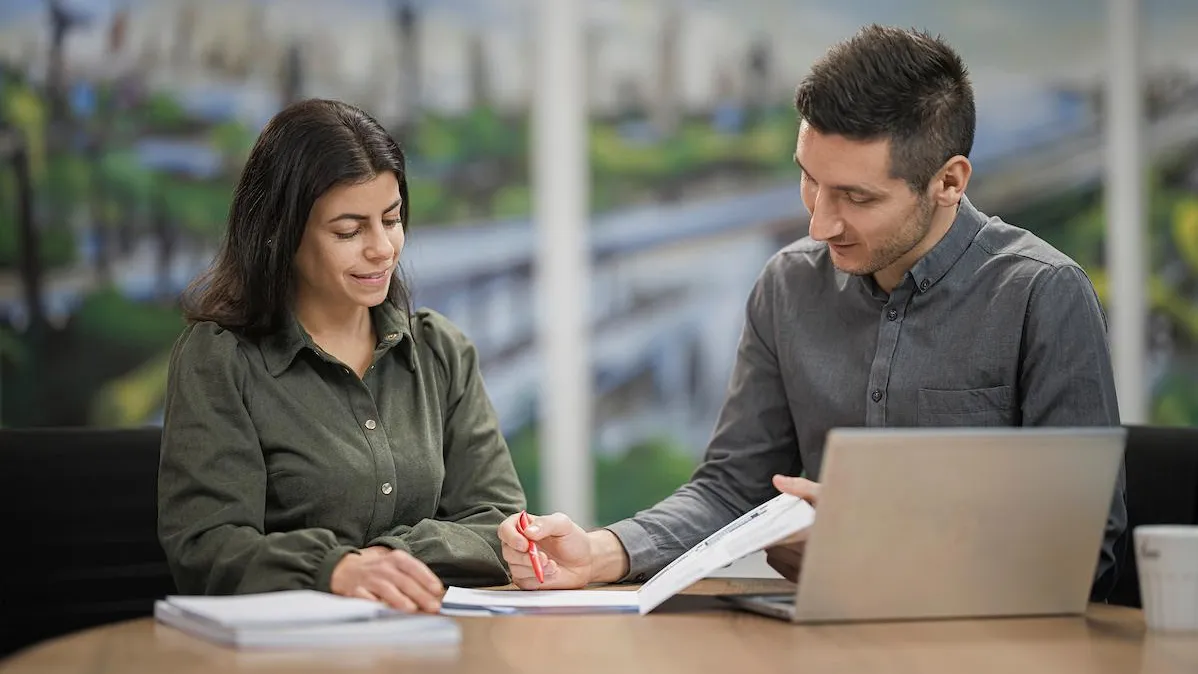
609	559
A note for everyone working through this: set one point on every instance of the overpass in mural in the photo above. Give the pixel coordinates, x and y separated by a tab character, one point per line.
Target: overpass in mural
1078	160
668	289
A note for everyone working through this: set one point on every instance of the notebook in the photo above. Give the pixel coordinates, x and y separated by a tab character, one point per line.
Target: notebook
302	619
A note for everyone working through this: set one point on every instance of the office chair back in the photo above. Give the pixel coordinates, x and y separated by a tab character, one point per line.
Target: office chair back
1162	488
83	547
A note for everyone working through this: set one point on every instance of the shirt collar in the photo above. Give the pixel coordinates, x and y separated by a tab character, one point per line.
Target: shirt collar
936	263
390	325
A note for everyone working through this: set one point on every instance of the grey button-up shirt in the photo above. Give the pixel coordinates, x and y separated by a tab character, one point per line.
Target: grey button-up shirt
993	327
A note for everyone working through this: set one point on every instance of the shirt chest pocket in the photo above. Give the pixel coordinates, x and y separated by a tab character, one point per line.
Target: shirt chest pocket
993	406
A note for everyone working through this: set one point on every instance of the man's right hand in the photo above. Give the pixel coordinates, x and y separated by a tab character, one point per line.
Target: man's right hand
570	557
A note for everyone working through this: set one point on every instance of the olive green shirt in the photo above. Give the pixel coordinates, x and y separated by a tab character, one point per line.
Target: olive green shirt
277	460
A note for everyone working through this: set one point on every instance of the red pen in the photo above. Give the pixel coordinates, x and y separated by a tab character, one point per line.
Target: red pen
533	555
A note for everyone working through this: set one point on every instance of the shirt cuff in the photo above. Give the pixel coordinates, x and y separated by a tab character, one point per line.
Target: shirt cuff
640	548
324	572
393	542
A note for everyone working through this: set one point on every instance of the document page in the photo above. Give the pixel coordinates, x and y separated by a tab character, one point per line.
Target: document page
772	521
542	601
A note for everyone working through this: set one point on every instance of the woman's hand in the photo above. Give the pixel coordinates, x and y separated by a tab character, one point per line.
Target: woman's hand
393	577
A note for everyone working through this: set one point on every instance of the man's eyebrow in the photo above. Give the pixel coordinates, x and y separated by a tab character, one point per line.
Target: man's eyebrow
358	217
866	190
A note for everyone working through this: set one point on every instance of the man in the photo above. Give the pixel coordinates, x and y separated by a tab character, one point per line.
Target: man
904	306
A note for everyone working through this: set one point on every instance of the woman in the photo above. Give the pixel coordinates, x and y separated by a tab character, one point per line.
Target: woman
317	433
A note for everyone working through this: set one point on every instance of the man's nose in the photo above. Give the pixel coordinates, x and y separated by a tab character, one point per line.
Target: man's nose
825	220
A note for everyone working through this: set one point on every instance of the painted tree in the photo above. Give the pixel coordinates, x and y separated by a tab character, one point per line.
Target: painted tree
15	151
407	24
62	23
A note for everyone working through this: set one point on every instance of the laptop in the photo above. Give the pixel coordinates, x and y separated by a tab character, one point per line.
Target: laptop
953	523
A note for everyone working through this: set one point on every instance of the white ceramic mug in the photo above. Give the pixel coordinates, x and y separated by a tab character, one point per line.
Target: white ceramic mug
1167	563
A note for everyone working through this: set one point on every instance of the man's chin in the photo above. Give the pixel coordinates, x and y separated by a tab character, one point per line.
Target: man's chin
853	269
848	263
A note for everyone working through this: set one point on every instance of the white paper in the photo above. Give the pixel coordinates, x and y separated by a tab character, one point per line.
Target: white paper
765	525
302	619
776	519
546	601
285	608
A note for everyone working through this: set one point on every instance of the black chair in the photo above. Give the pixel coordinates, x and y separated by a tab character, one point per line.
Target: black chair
1162	488
82	548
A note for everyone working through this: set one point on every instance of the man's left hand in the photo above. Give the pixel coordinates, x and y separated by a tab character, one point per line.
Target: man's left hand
786	557
798	486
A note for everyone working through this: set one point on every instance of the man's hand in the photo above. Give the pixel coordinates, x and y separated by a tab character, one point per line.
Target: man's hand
798	486
570	557
786	557
391	576
563	546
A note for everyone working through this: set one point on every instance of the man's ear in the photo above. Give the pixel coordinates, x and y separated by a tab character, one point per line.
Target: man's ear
948	185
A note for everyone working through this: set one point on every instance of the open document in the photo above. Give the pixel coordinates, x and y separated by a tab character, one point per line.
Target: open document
776	519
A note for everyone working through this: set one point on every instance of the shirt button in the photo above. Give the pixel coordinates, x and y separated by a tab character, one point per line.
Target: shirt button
923	285
370	424
392	335
386	488
892	314
876	395
346	370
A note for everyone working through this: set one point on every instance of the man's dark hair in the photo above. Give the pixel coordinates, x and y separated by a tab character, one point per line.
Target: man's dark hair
904	85
307	148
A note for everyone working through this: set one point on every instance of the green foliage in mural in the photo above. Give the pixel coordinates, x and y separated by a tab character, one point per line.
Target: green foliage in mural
625	483
1075	222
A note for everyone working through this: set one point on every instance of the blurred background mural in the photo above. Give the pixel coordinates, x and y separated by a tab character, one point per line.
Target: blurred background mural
124	123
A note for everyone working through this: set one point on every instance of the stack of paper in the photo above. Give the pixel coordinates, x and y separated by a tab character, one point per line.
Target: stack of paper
771	522
303	619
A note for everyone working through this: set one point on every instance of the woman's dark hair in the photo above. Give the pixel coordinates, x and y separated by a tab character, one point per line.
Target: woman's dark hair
305	149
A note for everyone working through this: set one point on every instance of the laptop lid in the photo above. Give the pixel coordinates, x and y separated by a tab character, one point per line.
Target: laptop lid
940	523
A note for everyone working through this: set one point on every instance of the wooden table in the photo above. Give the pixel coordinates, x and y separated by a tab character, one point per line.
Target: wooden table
690	633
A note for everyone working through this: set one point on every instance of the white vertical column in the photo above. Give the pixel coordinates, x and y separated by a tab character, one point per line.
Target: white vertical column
1125	208
560	171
